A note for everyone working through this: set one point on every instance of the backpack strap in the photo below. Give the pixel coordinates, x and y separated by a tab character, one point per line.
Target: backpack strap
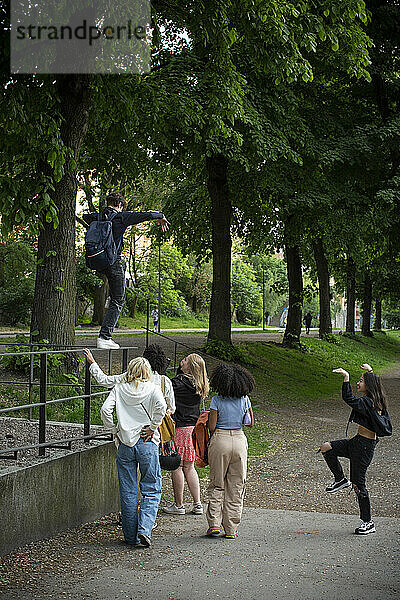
100	216
144	408
163	385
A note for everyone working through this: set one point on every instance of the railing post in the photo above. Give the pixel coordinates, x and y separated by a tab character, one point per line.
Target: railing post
31	357
147	321
86	406
124	359
43	398
175	347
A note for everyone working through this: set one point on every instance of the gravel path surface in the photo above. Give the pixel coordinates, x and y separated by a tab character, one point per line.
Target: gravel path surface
22	432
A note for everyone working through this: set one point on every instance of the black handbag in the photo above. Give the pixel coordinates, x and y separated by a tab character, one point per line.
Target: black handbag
169	458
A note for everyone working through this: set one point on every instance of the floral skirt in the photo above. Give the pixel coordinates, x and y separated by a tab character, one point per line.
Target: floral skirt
184	444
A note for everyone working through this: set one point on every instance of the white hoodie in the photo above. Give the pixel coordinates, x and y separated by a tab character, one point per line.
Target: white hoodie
127	400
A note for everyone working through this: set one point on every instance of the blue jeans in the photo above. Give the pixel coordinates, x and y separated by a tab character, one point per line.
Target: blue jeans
134	520
116	282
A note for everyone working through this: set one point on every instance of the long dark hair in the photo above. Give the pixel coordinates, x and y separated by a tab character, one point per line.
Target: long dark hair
232	381
375	391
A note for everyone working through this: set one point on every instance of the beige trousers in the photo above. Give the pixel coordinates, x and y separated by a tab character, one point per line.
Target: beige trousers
227	457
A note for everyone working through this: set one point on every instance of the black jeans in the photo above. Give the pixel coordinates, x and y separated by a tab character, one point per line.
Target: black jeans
360	451
116	281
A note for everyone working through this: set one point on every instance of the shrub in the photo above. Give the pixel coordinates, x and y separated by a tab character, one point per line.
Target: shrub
19	362
16	302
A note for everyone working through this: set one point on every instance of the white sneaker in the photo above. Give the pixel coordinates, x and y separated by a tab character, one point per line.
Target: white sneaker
197	509
173	509
365	528
107	344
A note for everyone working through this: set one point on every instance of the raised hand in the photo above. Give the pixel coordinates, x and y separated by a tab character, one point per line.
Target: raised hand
164	224
88	356
341	372
366	367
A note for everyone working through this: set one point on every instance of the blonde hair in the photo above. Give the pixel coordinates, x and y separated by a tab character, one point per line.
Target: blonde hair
198	374
139	369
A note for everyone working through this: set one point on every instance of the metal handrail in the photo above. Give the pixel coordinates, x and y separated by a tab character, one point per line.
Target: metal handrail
55	401
105	434
42	404
87	385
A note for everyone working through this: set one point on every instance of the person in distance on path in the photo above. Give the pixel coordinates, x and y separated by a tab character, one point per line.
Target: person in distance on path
370	412
307	321
115	273
154	316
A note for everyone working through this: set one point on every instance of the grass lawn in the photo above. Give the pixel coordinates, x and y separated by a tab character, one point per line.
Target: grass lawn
190	322
286	375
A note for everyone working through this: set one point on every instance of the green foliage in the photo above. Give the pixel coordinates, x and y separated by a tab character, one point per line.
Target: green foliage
175	273
330	338
20	361
17	282
16	302
393	319
275	280
245	293
86	279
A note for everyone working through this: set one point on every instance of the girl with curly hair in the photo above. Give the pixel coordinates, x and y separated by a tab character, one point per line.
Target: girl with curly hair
227	450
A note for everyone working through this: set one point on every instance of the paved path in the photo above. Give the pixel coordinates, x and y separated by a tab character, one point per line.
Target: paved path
124	332
279	554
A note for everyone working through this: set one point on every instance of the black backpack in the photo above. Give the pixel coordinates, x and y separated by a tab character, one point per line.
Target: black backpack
100	248
382	423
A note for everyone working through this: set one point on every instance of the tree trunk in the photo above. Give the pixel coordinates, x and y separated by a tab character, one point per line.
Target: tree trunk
221	213
351	295
53	313
367	306
325	322
134	305
378	315
295	278
99	300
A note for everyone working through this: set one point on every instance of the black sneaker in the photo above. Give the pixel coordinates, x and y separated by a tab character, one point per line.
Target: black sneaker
365	528
144	540
337	485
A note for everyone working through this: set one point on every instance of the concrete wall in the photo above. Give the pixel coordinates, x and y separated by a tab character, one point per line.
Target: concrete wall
39	501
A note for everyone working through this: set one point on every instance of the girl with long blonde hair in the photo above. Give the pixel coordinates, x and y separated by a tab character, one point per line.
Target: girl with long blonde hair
190	388
140	408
